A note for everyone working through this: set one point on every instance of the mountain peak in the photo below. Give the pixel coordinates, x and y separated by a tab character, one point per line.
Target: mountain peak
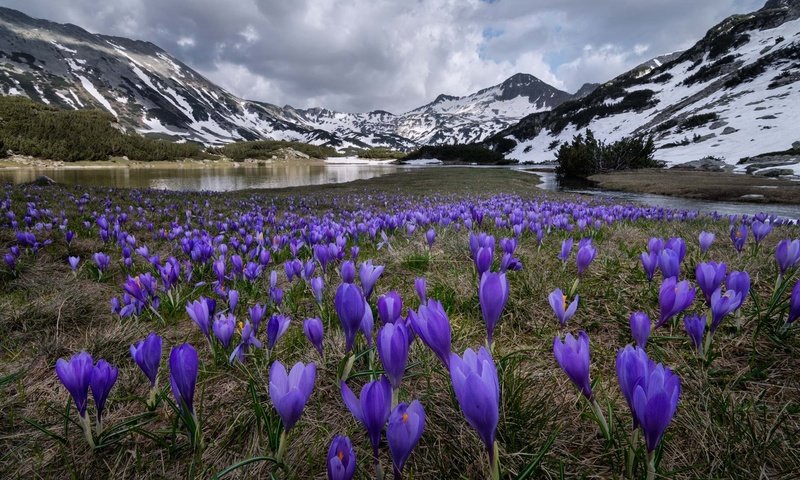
521	78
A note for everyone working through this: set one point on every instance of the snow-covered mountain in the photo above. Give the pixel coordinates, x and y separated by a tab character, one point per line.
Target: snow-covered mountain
150	91
734	94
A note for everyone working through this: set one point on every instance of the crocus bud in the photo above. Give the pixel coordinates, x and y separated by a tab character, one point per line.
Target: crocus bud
640	328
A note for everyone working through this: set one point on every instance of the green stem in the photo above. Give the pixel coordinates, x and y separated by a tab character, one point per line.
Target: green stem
632	452
601	419
651	465
373	374
395	397
707	345
87	430
494	461
152	398
281	447
574	289
348	366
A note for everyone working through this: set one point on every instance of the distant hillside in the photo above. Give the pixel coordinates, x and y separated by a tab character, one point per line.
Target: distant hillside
734	94
148	90
29	128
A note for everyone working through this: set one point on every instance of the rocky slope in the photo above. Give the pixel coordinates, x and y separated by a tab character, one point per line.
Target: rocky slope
152	92
733	95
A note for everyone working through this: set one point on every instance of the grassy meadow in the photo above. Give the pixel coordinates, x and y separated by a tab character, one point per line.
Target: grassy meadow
738	414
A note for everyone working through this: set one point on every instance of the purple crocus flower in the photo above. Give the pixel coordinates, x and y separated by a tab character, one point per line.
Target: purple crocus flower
371	409
76	375
669	263
572	355
183	367
248	340
632	367
349	303
406	424
276	327
739	237
290	392
558	302
233	300
585	255
739	282
787	254
369	275
640	328
794	304
348	272
147	355
677	245
312	327
104	376
430	236
760	230
650	264
493	294
318	289
673	298
421	287
655	401
474	378
695	326
73	262
101	261
10	260
223	327
722	304
710	275
433	327
483	260
390	307
199	313
655	245
341	460
706	239
256	313
393	344
566	249
367	323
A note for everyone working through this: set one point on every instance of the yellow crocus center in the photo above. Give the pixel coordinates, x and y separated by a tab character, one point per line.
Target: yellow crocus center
564	299
340	454
405	417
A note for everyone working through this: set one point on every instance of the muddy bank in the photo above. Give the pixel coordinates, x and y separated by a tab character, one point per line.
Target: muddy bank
721	186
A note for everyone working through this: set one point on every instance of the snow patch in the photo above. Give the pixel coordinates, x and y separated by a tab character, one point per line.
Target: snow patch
89	87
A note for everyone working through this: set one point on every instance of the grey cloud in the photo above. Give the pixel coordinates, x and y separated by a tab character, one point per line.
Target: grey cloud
358	55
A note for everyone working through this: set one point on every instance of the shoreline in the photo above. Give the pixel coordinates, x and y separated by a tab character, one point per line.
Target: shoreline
17	162
700	185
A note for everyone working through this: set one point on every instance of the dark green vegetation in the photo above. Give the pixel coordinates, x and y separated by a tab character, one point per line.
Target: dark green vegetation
738	417
587	156
463	154
266	149
29	128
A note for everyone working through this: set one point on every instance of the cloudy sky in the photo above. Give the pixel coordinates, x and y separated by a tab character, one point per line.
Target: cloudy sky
359	55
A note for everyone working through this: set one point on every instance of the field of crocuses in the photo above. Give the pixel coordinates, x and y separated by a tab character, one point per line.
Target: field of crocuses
466	327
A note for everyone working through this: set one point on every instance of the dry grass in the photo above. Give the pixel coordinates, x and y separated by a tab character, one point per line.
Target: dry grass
738	418
702	185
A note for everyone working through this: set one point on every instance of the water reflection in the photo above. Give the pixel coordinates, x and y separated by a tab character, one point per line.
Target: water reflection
549	182
217	179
